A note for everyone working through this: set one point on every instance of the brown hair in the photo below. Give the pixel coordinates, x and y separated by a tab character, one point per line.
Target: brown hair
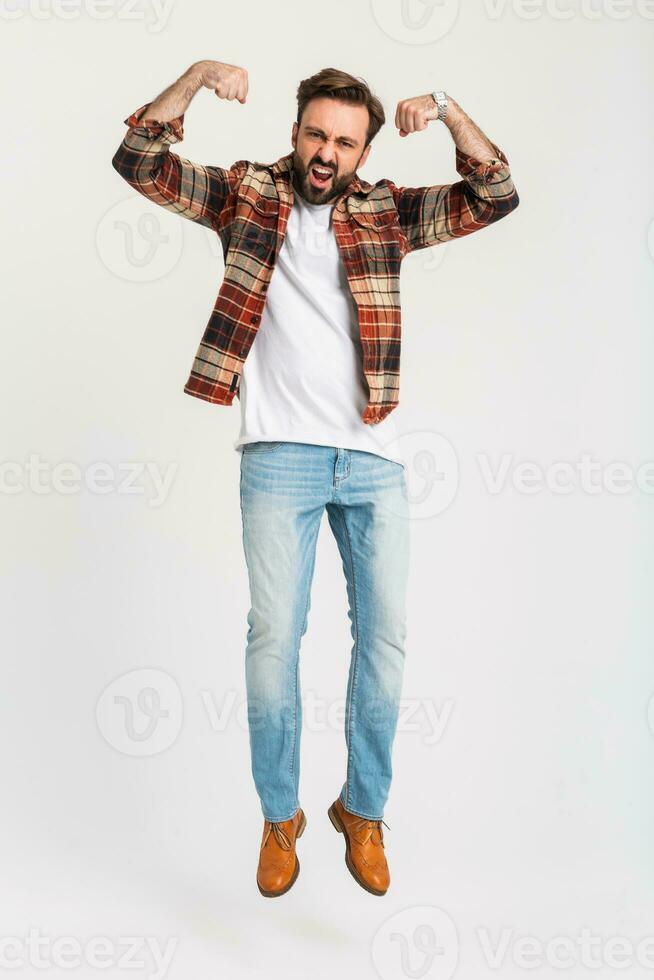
334	84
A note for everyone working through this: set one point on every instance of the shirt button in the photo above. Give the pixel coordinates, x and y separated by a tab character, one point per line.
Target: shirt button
253	319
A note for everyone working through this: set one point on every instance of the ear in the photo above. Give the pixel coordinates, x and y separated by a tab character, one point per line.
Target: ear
294	133
364	155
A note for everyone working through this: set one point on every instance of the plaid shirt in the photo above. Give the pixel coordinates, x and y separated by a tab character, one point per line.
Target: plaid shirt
248	206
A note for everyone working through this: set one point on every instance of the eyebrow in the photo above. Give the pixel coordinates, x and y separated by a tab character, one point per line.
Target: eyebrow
317	129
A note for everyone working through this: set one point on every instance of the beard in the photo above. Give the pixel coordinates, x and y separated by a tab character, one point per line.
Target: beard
318	195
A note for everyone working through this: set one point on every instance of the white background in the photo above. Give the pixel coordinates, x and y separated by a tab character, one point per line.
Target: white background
529	813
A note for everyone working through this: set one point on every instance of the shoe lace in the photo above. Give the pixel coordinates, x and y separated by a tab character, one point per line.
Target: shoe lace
363	824
280	835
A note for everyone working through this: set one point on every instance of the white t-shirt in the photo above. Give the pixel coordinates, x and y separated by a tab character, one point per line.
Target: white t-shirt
302	380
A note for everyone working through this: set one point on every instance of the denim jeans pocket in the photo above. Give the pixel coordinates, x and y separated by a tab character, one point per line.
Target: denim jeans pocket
261	446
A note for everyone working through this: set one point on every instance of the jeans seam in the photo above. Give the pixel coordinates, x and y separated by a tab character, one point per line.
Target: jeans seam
355	656
295	745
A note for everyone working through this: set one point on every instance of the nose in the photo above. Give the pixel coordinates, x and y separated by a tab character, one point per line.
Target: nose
327	154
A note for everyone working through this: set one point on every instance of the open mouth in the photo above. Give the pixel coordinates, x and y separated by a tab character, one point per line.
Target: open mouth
320	176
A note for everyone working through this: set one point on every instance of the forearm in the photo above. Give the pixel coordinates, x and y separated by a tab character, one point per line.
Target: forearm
439	212
175	100
466	134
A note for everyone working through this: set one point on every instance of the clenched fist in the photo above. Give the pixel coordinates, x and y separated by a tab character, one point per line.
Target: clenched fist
412	115
227	81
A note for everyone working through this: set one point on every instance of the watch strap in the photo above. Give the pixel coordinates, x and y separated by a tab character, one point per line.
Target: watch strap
440	98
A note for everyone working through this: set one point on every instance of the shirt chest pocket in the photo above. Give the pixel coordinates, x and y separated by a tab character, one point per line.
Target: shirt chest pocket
254	230
379	235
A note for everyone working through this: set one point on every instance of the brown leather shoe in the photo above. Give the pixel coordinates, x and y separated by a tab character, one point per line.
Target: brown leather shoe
278	862
364	848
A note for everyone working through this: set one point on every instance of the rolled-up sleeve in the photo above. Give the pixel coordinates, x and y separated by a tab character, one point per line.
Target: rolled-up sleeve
435	214
189	189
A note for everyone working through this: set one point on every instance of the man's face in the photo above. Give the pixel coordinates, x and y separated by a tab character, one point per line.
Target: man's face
331	136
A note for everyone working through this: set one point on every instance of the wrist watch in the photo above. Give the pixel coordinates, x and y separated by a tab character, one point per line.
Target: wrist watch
440	98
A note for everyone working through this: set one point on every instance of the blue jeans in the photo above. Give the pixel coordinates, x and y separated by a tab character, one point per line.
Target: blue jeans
285	486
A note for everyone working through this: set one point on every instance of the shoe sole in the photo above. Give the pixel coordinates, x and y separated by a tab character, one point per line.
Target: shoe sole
282	891
338	824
